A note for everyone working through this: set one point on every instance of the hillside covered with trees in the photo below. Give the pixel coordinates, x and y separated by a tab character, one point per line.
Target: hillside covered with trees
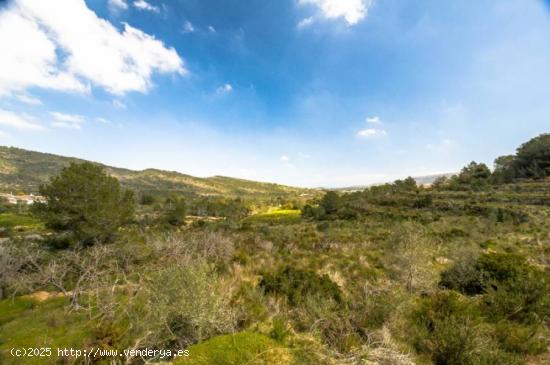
24	171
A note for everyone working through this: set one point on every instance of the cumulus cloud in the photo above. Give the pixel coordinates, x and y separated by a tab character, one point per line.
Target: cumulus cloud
72	51
371	133
19	121
118	4
71	121
352	11
224	89
144	5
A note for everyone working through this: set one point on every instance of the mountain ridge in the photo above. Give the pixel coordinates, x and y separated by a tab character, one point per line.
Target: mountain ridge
24	170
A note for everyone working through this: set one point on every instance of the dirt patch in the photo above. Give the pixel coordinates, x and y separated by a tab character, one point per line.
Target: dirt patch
41	296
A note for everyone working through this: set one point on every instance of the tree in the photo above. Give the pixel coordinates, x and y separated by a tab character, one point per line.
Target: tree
504	169
86	204
410	255
474	175
474	171
440	183
533	158
330	202
409	184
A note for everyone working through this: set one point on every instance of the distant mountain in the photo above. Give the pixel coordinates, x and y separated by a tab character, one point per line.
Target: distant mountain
420	180
24	171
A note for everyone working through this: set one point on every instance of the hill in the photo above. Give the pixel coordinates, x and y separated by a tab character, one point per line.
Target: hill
24	171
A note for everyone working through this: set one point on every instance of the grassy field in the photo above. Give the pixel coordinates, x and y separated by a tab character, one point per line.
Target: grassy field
20	222
276	216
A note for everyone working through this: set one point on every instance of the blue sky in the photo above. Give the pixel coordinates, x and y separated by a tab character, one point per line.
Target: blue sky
301	92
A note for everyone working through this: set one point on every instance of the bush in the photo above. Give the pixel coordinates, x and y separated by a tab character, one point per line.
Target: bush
512	288
449	328
147	199
177	211
296	285
464	276
180	305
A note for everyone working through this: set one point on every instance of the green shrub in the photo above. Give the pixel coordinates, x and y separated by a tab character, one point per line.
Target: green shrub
296	285
448	328
179	305
249	304
464	276
511	288
279	331
177	211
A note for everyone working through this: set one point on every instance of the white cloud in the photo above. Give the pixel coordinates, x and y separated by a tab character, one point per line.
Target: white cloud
42	49
118	4
119	104
352	11
306	22
188	27
371	133
66	125
18	121
32	62
211	29
28	99
224	89
71	118
374	120
144	5
71	121
103	120
284	158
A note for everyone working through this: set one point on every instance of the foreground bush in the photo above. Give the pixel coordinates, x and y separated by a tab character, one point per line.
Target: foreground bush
449	328
296	285
512	288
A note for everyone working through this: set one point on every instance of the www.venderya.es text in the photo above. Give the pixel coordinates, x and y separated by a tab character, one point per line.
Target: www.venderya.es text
66	352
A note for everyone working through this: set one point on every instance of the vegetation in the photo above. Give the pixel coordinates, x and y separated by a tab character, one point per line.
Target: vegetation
86	204
452	273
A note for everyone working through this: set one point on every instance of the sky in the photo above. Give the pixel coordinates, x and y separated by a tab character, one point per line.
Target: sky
313	93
